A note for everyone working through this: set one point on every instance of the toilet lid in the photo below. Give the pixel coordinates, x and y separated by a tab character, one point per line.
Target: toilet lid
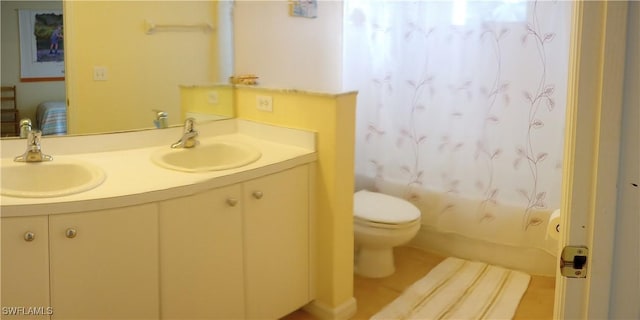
383	208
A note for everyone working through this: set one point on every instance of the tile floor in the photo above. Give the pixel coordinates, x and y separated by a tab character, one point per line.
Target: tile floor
413	264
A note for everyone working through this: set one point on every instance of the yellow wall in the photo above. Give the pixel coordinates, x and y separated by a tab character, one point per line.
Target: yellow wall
333	118
144	71
197	99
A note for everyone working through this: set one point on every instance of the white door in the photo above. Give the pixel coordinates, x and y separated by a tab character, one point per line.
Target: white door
276	229
201	272
625	280
104	264
24	257
592	153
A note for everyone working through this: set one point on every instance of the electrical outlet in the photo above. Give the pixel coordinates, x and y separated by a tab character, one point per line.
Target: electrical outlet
264	103
212	97
100	73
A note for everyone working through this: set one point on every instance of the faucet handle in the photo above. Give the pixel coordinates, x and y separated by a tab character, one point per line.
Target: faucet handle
161	119
34	137
189	124
160	113
33	153
25	127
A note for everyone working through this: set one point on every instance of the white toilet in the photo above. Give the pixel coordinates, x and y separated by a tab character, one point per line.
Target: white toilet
381	222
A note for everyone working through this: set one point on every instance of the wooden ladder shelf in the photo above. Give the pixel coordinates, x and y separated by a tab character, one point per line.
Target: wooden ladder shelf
10	121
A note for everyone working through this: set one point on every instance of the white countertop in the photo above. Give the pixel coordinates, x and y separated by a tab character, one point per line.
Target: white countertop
132	178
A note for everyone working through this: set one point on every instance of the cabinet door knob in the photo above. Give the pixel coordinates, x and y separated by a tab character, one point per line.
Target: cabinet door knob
258	194
71	233
232	202
29	236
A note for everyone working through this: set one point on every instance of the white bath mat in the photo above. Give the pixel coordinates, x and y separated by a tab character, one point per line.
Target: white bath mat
460	289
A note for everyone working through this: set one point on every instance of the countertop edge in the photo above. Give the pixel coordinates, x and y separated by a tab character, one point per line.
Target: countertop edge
23	210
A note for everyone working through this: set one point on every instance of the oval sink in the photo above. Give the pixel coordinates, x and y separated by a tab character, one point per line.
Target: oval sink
206	157
48	179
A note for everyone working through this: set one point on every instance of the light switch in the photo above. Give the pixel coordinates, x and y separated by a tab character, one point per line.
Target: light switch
100	73
264	103
212	97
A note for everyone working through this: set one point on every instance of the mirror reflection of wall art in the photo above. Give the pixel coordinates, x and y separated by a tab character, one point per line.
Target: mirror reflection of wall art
303	8
41	45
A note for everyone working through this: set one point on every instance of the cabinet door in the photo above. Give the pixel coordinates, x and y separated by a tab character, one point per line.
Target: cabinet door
25	268
201	272
104	264
276	226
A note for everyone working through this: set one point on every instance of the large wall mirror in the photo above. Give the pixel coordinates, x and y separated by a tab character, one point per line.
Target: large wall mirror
126	60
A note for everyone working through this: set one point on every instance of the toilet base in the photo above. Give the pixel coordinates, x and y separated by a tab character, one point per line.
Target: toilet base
374	262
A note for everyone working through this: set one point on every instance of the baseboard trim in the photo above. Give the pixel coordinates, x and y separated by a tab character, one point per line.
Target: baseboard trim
324	312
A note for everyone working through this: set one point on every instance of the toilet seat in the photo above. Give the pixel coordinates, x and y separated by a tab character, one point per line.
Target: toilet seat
383	225
383	211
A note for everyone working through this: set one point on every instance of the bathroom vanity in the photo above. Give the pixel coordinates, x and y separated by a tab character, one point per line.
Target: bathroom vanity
155	243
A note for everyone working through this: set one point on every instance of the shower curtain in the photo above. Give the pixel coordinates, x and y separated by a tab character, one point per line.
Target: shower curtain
461	109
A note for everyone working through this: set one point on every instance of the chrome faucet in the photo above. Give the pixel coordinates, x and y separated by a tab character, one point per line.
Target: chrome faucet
188	139
25	127
161	120
33	153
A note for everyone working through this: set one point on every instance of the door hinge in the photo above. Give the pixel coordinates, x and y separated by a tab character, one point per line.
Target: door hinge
573	261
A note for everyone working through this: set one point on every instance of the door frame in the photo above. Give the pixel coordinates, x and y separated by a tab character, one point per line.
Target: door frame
591	160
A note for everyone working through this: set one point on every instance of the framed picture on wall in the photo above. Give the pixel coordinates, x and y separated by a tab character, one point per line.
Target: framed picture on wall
41	45
303	8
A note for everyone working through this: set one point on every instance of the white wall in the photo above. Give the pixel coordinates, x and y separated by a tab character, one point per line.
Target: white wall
625	291
289	52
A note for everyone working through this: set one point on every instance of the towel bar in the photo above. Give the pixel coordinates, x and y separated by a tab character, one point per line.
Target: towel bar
151	28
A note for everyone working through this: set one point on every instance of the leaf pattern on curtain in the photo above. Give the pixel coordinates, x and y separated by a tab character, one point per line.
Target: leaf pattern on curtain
473	110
